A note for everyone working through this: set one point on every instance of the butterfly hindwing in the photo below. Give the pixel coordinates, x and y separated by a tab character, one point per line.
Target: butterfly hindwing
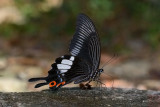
78	69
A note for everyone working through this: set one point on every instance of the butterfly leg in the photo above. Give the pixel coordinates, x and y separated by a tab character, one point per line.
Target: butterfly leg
85	86
99	81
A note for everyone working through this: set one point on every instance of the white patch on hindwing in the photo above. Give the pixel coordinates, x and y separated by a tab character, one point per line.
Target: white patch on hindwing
65	64
68	62
72	58
62	66
63	70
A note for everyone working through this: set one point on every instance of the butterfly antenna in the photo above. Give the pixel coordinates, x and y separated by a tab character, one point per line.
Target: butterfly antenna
107	62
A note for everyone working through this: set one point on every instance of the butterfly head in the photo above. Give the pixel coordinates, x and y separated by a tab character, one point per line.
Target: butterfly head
100	70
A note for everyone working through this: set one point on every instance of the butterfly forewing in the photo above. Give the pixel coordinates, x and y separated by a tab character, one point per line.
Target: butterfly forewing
85	43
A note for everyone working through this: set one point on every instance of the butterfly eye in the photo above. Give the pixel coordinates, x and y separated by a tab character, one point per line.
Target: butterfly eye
52	84
100	70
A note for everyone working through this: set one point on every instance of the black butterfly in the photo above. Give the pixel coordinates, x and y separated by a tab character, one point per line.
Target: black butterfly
82	65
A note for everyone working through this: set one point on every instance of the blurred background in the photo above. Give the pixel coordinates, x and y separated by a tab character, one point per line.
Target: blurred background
35	32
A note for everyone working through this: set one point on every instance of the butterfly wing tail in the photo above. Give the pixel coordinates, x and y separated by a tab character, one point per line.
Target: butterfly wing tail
36	79
40	84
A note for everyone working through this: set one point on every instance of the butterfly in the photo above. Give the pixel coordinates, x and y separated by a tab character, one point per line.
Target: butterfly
82	65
